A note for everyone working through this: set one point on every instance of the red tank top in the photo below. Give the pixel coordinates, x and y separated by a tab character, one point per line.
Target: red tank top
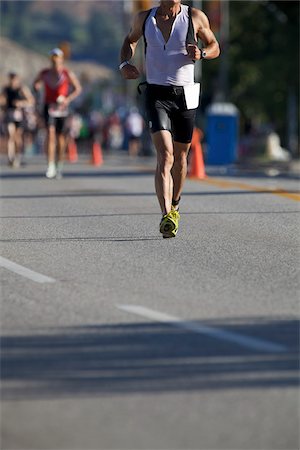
61	87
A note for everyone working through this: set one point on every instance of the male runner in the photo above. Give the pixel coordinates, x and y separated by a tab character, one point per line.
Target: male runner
61	87
15	97
171	33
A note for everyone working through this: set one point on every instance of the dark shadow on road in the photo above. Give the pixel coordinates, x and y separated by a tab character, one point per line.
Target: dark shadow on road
88	239
254	174
146	358
269	171
191	213
216	172
98	193
81	174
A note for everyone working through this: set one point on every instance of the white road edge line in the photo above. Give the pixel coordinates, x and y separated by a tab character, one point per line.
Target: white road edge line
217	333
24	272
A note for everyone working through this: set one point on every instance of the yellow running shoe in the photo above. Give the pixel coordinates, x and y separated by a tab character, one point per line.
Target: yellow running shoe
175	213
169	224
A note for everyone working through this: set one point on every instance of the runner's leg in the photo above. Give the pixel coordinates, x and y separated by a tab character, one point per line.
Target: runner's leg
179	169
11	146
182	130
18	145
51	144
51	151
61	147
163	179
61	144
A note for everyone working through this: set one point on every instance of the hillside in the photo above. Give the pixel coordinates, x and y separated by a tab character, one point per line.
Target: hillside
93	29
27	63
79	9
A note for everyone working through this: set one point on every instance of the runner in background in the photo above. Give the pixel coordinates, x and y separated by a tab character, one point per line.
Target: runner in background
61	87
134	126
14	98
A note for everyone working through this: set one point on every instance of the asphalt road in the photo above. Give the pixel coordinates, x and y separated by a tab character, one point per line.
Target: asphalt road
113	338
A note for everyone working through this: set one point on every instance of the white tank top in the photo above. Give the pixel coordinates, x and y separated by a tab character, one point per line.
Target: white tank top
167	63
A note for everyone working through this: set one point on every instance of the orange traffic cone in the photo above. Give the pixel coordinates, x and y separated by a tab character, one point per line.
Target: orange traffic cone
72	151
97	157
197	169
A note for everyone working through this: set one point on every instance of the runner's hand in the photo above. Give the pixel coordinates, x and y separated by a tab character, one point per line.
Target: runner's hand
193	52
63	102
130	72
18	103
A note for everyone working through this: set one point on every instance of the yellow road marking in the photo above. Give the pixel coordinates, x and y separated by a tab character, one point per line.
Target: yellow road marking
248	187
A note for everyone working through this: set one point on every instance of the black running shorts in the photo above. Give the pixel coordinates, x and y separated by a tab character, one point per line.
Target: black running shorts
11	117
57	122
166	110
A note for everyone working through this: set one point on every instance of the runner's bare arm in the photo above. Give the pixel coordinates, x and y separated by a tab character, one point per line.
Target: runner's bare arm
28	98
38	82
3	98
75	83
205	34
129	71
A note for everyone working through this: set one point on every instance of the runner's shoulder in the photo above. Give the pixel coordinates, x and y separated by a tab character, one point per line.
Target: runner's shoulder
144	13
44	71
199	16
66	71
69	73
141	16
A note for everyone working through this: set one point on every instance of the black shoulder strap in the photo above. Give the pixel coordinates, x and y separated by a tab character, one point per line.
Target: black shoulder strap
190	37
144	26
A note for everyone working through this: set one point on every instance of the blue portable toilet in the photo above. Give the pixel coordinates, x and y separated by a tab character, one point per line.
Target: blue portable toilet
222	134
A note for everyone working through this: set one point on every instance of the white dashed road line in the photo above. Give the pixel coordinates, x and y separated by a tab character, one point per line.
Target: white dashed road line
217	333
24	272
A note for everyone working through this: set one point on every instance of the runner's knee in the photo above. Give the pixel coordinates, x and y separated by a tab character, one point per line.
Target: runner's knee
51	133
165	160
180	158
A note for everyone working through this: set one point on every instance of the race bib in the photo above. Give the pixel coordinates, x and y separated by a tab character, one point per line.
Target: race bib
57	111
15	115
191	95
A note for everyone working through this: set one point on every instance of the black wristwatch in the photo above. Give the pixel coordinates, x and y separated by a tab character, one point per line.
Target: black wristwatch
203	53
